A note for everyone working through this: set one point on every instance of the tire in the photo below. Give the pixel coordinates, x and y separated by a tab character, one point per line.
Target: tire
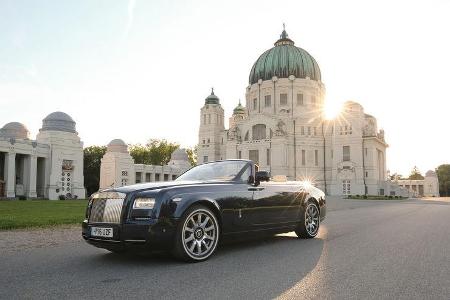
310	222
197	234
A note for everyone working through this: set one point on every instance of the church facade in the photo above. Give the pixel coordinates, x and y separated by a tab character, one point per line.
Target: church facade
50	167
283	129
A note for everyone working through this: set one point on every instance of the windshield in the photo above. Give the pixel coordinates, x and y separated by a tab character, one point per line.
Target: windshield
222	171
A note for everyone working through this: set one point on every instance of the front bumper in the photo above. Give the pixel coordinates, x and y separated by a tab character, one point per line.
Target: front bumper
152	234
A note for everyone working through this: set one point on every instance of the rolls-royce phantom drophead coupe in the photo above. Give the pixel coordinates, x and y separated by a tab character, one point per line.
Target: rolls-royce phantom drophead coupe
209	202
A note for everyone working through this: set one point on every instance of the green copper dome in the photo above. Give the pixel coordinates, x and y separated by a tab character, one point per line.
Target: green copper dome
212	99
284	60
239	110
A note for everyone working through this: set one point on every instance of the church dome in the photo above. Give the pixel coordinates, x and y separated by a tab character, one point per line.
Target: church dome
430	173
15	130
212	99
179	154
284	60
239	109
117	145
58	121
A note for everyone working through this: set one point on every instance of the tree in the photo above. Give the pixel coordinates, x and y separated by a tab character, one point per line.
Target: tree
155	152
396	176
443	174
192	155
92	160
415	174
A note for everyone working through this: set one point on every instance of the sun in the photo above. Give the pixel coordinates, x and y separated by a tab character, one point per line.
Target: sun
332	110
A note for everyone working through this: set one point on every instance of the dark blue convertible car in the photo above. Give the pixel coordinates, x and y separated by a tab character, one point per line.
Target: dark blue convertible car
208	203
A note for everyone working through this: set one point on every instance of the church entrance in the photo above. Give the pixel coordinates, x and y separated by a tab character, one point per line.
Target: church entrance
254	155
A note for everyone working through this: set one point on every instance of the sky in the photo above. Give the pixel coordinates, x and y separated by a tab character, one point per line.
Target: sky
139	69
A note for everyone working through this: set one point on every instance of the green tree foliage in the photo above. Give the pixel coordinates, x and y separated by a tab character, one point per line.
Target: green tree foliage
92	160
192	155
443	174
415	174
155	152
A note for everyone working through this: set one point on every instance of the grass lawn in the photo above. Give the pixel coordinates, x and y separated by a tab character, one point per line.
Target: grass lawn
40	213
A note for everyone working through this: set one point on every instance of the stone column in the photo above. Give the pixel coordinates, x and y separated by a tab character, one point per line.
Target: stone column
10	174
32	177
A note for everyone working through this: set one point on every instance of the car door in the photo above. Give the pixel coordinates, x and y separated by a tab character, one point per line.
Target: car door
274	205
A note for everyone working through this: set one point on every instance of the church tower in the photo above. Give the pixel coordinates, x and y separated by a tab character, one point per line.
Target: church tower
211	130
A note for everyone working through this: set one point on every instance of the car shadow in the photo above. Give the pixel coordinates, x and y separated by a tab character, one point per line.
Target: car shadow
263	266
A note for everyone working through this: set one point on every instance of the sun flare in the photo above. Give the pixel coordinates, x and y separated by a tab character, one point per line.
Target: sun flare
332	110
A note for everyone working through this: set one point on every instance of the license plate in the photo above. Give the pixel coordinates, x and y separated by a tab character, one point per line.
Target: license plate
102	231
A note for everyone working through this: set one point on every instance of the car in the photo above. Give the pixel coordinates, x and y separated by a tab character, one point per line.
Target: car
207	203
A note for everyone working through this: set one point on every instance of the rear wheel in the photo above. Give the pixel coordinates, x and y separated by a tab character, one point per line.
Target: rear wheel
197	234
309	225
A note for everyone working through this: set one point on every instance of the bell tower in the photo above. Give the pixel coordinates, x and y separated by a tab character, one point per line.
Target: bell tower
211	128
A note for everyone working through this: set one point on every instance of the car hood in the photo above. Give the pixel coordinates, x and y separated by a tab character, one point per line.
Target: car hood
152	186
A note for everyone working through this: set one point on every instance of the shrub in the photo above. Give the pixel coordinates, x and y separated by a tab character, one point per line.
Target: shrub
365	196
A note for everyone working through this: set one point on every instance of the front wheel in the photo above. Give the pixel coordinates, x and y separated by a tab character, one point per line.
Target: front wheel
309	225
197	234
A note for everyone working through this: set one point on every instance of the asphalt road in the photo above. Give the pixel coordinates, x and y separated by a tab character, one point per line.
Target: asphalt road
365	249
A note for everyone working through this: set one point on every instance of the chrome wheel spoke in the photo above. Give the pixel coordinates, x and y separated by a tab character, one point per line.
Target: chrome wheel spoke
203	225
209	228
190	238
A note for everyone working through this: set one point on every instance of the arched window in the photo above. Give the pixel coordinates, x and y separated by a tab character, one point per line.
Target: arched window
246	137
258	132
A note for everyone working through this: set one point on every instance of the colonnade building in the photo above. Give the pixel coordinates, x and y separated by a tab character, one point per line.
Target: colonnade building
51	166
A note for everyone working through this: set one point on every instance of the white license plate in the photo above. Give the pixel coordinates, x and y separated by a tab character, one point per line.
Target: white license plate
102	231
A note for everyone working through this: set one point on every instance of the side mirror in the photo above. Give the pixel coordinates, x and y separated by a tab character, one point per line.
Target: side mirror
262	176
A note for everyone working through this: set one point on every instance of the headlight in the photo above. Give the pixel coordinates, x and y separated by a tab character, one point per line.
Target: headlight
144	203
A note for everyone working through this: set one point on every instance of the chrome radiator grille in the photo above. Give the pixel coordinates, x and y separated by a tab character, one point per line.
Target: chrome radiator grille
106	211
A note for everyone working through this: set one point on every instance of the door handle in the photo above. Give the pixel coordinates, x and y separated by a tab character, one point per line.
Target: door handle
255	188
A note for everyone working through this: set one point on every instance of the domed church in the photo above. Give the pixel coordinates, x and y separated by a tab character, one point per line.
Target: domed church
282	128
49	167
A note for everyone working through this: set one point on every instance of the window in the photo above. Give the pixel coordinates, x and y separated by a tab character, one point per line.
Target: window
239	154
245	176
148	177
254	155
267	100
299	99
316	157
283	99
222	140
174	177
166	177
246	137
313	100
124	181
124	173
315	130
365	150
204	119
209	119
157	177
303	157
367	174
205	158
268	156
303	130
258	132
346	187
138	177
331	153
346	153
204	141
209	141
255	104
309	130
